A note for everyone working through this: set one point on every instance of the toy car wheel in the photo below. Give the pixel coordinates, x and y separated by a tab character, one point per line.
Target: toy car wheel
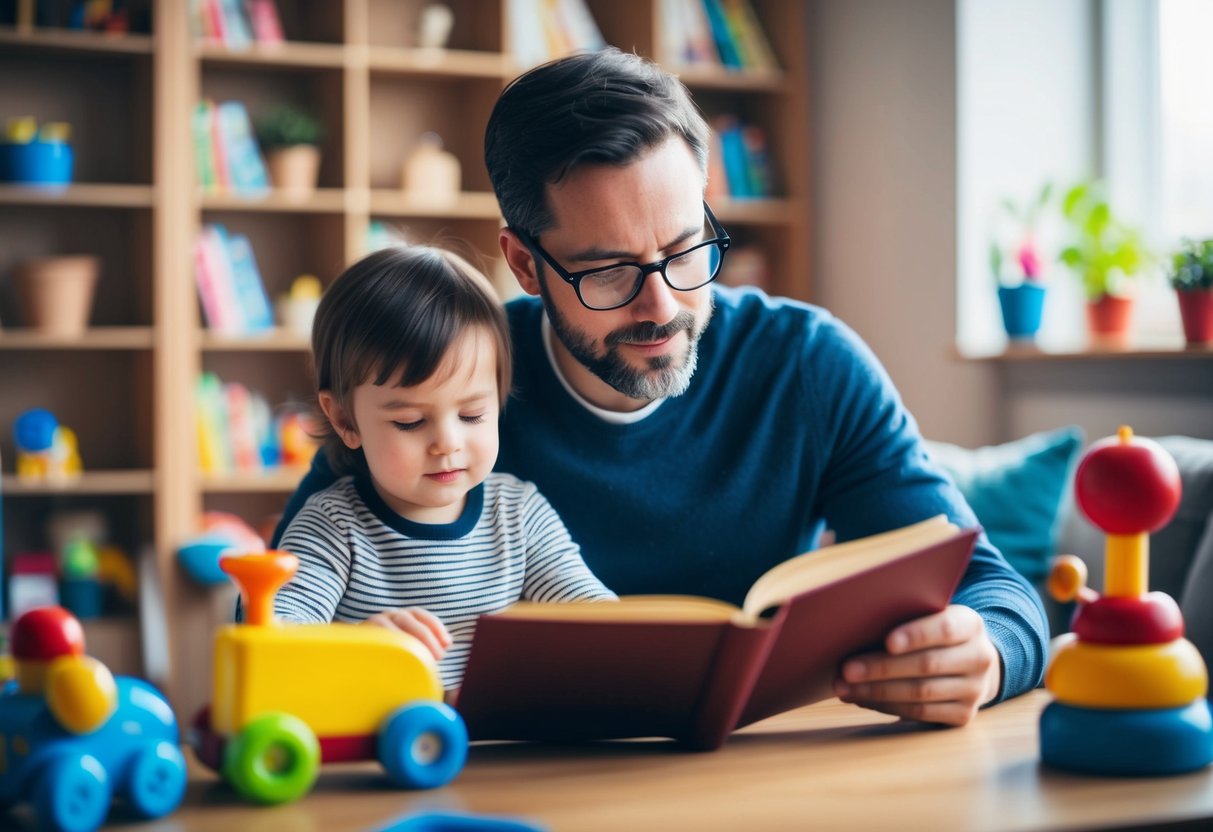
72	794
423	745
157	781
274	759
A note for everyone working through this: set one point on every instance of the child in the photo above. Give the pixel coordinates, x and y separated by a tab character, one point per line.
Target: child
412	358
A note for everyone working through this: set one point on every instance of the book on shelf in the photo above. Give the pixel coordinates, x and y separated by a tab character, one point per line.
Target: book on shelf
714	33
695	669
246	171
236	24
744	164
226	155
236	428
686	34
233	296
540	30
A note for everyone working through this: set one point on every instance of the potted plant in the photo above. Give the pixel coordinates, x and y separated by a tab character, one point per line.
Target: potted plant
291	140
1021	292
1192	279
1106	254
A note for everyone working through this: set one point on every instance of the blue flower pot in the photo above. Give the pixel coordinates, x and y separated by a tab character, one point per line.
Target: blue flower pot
36	163
1021	308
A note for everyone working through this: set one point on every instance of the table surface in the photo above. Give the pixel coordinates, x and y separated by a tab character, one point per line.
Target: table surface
827	766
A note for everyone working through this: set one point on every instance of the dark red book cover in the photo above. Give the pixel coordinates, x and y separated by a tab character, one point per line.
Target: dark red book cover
564	681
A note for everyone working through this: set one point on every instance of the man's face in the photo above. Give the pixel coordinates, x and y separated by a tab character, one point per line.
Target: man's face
639	213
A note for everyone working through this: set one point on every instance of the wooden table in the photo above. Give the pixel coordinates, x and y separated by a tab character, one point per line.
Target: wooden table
829	766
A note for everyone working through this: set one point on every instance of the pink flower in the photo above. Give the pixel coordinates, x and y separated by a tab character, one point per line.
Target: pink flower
1029	260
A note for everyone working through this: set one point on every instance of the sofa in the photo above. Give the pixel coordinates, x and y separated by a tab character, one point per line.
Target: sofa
1022	493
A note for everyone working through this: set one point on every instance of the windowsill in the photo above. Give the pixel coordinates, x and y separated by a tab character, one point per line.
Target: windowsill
1162	348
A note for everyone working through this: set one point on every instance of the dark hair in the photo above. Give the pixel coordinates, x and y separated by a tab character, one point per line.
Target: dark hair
604	107
397	312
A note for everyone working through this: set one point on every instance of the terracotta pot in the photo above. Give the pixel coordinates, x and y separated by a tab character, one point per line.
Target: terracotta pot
294	170
1110	318
1196	310
56	293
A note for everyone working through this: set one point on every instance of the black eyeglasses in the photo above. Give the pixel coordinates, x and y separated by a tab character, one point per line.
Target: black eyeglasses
610	287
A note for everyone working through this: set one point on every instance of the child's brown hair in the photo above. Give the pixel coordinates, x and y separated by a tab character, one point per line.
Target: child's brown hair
396	313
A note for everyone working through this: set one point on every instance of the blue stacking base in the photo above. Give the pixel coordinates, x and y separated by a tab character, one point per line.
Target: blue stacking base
1129	742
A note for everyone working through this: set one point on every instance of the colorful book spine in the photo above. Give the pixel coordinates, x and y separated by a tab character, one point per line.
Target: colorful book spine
726	44
204	152
256	314
246	171
745	26
264	20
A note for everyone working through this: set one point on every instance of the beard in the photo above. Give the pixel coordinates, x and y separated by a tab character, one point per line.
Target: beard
665	375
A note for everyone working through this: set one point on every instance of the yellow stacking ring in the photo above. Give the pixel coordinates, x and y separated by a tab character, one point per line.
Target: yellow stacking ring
1088	675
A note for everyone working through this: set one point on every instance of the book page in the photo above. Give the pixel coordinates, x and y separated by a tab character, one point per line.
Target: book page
831	563
686	608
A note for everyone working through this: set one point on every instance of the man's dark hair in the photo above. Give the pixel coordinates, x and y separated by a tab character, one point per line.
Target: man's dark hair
396	313
604	107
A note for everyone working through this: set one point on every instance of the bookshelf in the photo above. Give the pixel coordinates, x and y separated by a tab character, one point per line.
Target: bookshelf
127	385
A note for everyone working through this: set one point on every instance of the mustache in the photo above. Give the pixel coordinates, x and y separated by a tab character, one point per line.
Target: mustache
648	331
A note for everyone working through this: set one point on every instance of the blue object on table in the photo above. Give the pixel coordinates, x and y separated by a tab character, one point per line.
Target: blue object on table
460	822
1129	743
36	163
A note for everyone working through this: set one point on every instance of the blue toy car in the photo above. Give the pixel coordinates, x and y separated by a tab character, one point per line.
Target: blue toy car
71	778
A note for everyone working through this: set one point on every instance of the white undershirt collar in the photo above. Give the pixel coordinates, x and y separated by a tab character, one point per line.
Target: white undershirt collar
612	416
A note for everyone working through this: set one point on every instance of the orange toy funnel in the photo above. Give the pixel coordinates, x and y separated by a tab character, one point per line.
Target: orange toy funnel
258	576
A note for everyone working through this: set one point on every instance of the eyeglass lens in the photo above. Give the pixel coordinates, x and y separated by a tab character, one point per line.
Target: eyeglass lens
613	287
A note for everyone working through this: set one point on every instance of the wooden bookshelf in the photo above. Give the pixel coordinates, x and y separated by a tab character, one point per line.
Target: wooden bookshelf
128	383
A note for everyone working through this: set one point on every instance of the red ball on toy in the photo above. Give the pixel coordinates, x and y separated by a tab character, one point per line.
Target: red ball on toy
46	633
1127	485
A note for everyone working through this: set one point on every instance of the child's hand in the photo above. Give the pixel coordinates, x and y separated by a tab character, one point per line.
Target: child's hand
421	624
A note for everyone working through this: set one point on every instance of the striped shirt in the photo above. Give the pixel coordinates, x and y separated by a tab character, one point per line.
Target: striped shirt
357	557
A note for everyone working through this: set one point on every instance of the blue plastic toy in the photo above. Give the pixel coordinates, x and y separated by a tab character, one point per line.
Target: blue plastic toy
460	822
73	737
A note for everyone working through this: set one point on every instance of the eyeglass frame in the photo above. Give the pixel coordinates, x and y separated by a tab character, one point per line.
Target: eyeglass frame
722	241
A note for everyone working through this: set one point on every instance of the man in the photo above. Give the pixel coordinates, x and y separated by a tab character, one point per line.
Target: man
693	436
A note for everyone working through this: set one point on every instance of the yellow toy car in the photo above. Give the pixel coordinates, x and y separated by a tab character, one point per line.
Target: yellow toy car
289	697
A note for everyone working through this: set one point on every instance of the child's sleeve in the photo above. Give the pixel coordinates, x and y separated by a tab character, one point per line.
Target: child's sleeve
554	568
318	539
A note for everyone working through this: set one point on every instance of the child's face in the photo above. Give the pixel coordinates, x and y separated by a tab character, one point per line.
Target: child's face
428	445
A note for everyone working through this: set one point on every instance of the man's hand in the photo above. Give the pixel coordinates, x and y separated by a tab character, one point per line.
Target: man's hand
421	624
940	668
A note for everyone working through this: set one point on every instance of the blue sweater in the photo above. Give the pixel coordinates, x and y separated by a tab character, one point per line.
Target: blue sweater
789	425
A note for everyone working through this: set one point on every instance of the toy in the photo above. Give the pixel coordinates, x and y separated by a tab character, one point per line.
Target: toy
79	587
31	156
1129	688
32	582
73	736
46	450
460	822
287	698
221	533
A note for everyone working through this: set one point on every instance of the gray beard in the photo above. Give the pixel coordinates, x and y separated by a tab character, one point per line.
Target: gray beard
665	376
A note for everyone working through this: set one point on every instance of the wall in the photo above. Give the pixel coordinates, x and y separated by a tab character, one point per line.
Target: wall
884	167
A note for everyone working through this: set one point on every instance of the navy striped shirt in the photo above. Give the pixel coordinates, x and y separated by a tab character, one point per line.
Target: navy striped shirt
357	557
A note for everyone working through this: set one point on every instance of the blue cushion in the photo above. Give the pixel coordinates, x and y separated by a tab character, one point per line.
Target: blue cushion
1018	492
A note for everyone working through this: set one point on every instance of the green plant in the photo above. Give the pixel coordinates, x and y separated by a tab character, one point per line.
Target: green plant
285	126
1024	247
1192	266
1104	252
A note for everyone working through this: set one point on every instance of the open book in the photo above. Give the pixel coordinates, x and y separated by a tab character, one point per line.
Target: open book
695	669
